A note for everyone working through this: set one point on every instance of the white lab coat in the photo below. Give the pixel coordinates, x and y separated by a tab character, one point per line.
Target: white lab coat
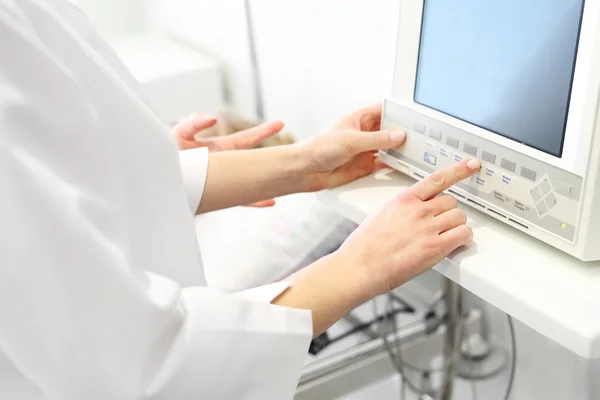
102	292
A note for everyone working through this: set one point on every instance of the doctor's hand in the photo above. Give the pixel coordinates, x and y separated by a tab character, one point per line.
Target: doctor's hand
412	233
186	133
347	150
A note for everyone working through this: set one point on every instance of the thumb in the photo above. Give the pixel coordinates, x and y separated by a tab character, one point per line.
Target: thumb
377	140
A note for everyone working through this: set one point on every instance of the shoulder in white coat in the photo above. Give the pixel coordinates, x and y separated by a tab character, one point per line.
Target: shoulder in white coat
102	291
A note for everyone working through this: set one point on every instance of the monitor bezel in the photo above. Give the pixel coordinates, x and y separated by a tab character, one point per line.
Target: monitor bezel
583	100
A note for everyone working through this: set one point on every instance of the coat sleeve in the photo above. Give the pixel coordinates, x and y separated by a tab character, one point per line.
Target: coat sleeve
80	316
194	165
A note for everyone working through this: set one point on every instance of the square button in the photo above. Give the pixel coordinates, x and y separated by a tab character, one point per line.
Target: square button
541	207
550	200
450	141
429	158
437	135
545	186
419	127
508	165
470	149
489	157
528	173
536	193
563	188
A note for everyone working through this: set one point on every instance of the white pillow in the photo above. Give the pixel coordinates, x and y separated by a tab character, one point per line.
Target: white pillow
245	247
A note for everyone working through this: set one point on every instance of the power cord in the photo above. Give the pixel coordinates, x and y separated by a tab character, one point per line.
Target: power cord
513	363
395	353
402	365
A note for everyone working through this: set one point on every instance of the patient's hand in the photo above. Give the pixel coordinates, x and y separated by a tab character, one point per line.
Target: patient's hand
186	133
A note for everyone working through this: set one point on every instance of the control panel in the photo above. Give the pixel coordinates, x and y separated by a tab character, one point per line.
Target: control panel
510	186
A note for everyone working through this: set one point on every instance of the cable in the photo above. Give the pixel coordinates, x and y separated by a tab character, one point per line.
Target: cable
398	364
396	357
513	363
402	365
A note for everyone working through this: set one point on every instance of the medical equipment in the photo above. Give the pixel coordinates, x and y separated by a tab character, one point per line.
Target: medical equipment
515	84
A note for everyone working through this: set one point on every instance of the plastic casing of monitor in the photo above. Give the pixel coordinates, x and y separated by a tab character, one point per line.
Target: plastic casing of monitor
555	199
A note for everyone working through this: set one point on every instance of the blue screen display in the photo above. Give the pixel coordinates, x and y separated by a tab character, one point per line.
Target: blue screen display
504	65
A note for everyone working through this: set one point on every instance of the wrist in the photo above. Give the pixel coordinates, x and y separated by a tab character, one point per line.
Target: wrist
301	167
358	282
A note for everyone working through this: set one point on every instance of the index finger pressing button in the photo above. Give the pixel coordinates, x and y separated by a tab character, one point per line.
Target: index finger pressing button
445	178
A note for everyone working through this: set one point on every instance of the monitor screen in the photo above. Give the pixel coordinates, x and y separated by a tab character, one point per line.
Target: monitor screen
506	66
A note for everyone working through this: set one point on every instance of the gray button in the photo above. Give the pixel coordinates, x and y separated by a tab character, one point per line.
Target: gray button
487	156
541	207
550	200
528	173
469	148
419	127
437	135
450	141
536	193
545	186
563	188
509	165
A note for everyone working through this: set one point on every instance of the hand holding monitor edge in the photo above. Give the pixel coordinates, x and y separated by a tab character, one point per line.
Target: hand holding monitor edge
532	178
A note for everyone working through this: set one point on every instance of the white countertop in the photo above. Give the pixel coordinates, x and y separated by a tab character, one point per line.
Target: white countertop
546	289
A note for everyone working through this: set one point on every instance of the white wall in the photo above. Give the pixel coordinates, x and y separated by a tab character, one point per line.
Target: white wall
318	59
217	28
116	17
322	59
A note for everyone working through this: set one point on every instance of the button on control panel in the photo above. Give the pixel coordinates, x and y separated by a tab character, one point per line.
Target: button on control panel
470	149
489	157
563	188
419	127
437	135
543	196
509	186
429	158
452	142
528	173
508	165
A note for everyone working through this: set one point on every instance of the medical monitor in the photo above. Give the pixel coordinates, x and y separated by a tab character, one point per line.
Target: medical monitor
514	83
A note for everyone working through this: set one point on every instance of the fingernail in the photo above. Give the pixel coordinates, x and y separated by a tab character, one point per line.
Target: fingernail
397	136
474	164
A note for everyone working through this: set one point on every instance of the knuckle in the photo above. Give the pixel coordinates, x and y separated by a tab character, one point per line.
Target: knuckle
449	201
437	179
452	201
422	211
405	198
468	233
462	216
458	171
432	247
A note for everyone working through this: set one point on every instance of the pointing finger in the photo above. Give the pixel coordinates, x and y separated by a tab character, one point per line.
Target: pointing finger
445	178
